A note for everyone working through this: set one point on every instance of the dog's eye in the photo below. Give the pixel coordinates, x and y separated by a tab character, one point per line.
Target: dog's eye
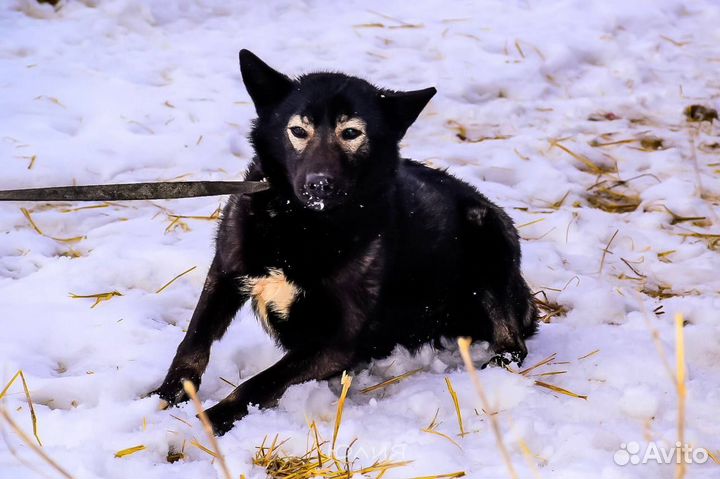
298	132
350	133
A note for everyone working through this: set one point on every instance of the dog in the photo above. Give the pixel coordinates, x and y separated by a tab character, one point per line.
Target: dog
353	250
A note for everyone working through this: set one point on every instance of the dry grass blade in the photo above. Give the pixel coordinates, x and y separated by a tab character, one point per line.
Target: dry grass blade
177	223
37	229
589	164
524	225
38	450
550	309
680	469
712	240
442	476
613	202
432	429
190	390
456	403
318	444
464	344
175	279
26	389
560	390
369	25
599	144
204	449
130	450
233	385
98	297
676	218
591	353
214	216
607	251
550	373
346	381
443	435
529	458
393	380
181	420
105	204
462	134
662	292
548	359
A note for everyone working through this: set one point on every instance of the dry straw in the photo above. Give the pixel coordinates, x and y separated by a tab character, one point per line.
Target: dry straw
190	390
35	448
346	381
464	344
456	403
26	389
165	286
98	297
316	462
680	469
388	382
37	229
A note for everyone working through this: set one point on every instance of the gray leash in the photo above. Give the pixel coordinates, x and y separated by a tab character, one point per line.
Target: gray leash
135	191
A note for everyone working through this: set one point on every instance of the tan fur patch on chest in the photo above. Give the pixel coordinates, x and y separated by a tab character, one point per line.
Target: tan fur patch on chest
273	292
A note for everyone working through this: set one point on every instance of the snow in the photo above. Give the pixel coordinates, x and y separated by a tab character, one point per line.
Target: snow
130	90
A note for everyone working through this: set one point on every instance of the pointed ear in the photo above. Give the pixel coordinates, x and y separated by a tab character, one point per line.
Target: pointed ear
404	107
267	87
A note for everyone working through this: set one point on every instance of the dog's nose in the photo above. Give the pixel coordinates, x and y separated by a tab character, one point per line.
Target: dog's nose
320	185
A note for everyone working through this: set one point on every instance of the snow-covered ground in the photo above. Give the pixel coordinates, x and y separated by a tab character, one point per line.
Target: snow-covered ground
543	94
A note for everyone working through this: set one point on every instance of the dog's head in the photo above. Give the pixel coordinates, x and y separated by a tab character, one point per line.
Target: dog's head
327	138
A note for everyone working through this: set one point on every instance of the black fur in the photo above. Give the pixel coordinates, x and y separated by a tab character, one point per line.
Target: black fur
383	251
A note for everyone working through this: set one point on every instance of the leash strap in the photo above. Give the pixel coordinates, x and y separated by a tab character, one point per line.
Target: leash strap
136	191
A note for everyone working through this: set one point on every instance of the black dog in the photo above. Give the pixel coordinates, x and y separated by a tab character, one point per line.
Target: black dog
352	250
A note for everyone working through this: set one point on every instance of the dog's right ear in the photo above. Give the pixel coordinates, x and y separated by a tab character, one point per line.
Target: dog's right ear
267	87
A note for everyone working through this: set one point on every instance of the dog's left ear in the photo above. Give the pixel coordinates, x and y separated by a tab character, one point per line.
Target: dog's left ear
267	87
404	107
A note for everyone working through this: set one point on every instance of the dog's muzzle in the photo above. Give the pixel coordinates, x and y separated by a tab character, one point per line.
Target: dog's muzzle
318	190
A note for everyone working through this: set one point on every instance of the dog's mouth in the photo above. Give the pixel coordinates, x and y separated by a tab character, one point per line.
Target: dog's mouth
314	203
321	203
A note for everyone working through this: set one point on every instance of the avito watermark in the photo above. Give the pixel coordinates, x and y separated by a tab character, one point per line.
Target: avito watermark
630	453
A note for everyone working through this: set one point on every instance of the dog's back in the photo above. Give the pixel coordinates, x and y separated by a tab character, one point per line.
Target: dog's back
450	252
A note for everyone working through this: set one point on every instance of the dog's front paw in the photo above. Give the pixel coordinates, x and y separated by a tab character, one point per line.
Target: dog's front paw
172	391
505	358
222	417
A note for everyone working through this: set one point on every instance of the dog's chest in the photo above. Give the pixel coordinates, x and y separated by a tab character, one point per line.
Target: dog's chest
272	296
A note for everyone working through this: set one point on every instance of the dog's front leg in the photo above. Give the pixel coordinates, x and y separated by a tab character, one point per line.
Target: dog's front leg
219	301
265	388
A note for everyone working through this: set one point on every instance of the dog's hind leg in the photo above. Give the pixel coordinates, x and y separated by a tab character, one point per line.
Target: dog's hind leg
220	299
499	289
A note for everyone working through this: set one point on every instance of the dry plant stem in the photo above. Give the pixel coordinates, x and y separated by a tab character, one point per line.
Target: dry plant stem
26	389
464	344
606	250
680	469
528	455
16	455
346	381
678	376
456	403
190	390
390	381
442	476
174	279
130	450
24	437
